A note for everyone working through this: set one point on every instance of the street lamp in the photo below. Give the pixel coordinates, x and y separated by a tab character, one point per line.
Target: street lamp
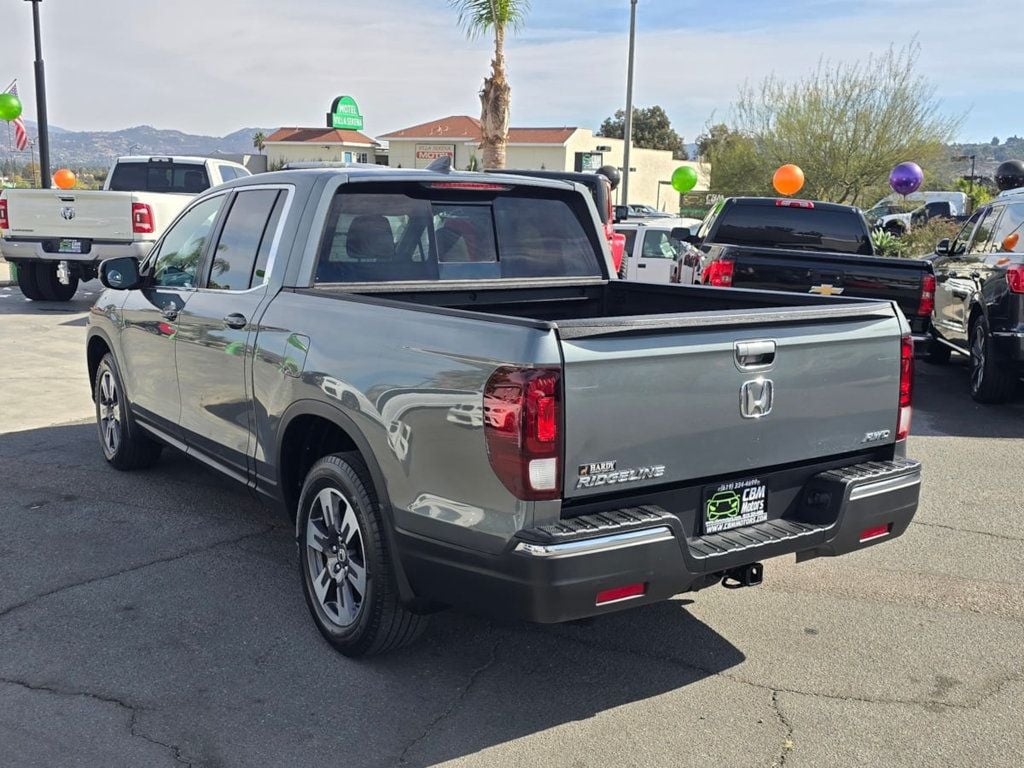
43	123
628	130
970	193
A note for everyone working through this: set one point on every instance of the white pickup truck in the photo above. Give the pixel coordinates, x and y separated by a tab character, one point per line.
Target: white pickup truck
56	237
654	255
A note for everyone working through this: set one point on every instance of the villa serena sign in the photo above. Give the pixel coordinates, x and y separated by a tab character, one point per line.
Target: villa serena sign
428	153
345	114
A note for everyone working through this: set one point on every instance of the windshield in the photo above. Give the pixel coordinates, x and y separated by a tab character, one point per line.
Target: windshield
160	176
396	232
776	226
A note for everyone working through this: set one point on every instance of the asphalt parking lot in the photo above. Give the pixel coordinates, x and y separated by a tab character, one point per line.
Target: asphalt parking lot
156	618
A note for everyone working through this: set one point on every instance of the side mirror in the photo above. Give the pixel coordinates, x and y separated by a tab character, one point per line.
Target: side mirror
942	247
121	274
621	212
684	234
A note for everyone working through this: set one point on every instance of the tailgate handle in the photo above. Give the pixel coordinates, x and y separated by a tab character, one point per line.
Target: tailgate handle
754	355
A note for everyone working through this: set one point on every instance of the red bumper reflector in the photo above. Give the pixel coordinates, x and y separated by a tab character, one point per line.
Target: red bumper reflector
620	593
876	532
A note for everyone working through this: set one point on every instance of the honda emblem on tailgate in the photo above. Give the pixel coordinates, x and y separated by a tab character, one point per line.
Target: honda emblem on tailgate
756	398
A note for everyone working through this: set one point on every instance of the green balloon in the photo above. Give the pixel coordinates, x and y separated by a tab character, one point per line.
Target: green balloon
10	106
684	178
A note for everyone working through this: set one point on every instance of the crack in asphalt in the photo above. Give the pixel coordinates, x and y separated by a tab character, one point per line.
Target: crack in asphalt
473	676
932	705
1003	536
168	559
787	740
132	709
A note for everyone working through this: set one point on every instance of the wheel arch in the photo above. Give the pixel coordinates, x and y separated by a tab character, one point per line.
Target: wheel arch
310	430
97	345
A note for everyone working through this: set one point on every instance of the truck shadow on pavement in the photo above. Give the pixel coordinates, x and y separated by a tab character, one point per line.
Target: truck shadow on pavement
943	405
168	601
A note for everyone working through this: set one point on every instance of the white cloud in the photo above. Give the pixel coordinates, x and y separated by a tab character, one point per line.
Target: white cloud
217	65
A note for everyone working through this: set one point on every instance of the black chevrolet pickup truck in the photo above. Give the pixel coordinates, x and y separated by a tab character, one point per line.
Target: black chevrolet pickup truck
805	246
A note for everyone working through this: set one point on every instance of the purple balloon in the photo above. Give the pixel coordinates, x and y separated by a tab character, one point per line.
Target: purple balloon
906	178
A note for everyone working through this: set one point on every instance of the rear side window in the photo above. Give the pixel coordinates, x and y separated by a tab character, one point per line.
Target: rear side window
159	176
1010	223
384	232
813	229
241	240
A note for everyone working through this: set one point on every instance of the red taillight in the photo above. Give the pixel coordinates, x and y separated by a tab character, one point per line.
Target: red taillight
4	223
906	387
142	219
620	593
794	204
472	186
1014	274
719	273
875	532
618	241
523	430
927	304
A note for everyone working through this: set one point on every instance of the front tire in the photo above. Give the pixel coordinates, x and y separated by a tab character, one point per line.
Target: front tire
125	446
990	381
344	562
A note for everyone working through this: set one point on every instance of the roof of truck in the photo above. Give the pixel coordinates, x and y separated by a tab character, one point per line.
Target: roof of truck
363	172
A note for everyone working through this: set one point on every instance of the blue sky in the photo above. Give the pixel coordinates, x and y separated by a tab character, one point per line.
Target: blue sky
213	66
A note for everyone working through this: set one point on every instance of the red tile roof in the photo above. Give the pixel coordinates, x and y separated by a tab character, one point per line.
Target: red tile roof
468	129
320	136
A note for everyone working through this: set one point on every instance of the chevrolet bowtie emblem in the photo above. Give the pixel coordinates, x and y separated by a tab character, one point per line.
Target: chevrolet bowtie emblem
826	289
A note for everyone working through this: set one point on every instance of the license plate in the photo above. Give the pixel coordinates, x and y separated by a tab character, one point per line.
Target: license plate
734	504
70	246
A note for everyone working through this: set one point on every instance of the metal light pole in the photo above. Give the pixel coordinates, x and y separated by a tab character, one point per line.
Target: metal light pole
628	133
43	123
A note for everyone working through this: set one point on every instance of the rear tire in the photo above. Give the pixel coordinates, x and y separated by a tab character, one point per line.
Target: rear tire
125	446
937	353
50	286
27	281
991	382
346	568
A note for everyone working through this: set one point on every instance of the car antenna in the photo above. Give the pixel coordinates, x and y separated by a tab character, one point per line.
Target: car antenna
442	164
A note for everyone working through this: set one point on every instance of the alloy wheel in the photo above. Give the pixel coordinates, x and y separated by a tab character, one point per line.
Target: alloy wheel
109	413
977	357
336	557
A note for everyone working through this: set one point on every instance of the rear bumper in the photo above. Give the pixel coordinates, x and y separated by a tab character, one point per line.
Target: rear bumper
554	573
43	249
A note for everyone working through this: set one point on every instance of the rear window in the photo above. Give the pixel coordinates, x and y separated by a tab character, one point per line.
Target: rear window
158	176
381	232
775	226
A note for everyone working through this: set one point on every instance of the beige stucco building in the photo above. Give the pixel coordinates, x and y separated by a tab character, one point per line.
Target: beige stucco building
334	145
562	148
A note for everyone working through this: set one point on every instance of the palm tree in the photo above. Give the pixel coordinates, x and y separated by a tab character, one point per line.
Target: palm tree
477	18
259	140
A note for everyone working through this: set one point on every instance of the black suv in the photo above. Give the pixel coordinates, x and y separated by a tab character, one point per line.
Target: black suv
979	301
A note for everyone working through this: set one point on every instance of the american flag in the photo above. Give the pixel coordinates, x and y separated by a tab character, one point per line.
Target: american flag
20	134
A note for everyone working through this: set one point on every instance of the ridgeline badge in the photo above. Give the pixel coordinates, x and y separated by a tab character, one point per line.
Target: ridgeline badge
604	473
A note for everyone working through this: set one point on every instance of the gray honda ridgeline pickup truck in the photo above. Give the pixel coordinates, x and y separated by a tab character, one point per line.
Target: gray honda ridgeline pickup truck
440	379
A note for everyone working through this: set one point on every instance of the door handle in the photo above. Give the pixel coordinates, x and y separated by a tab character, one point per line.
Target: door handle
641	266
170	312
235	320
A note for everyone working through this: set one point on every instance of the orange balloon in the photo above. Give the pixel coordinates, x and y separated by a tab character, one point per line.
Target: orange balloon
65	179
1010	241
788	179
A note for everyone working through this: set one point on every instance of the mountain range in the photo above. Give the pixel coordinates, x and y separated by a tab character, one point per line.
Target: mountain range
90	149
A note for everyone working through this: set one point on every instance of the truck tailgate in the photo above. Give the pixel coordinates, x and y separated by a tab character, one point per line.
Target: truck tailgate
869	277
54	213
682	404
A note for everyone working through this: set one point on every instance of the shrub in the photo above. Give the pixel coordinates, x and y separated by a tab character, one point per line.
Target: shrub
887	244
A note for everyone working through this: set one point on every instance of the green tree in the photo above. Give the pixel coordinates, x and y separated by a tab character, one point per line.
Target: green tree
845	125
478	18
736	166
651	130
259	140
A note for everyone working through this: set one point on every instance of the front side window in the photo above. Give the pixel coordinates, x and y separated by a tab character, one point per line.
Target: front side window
1007	236
246	228
982	236
408	231
176	263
